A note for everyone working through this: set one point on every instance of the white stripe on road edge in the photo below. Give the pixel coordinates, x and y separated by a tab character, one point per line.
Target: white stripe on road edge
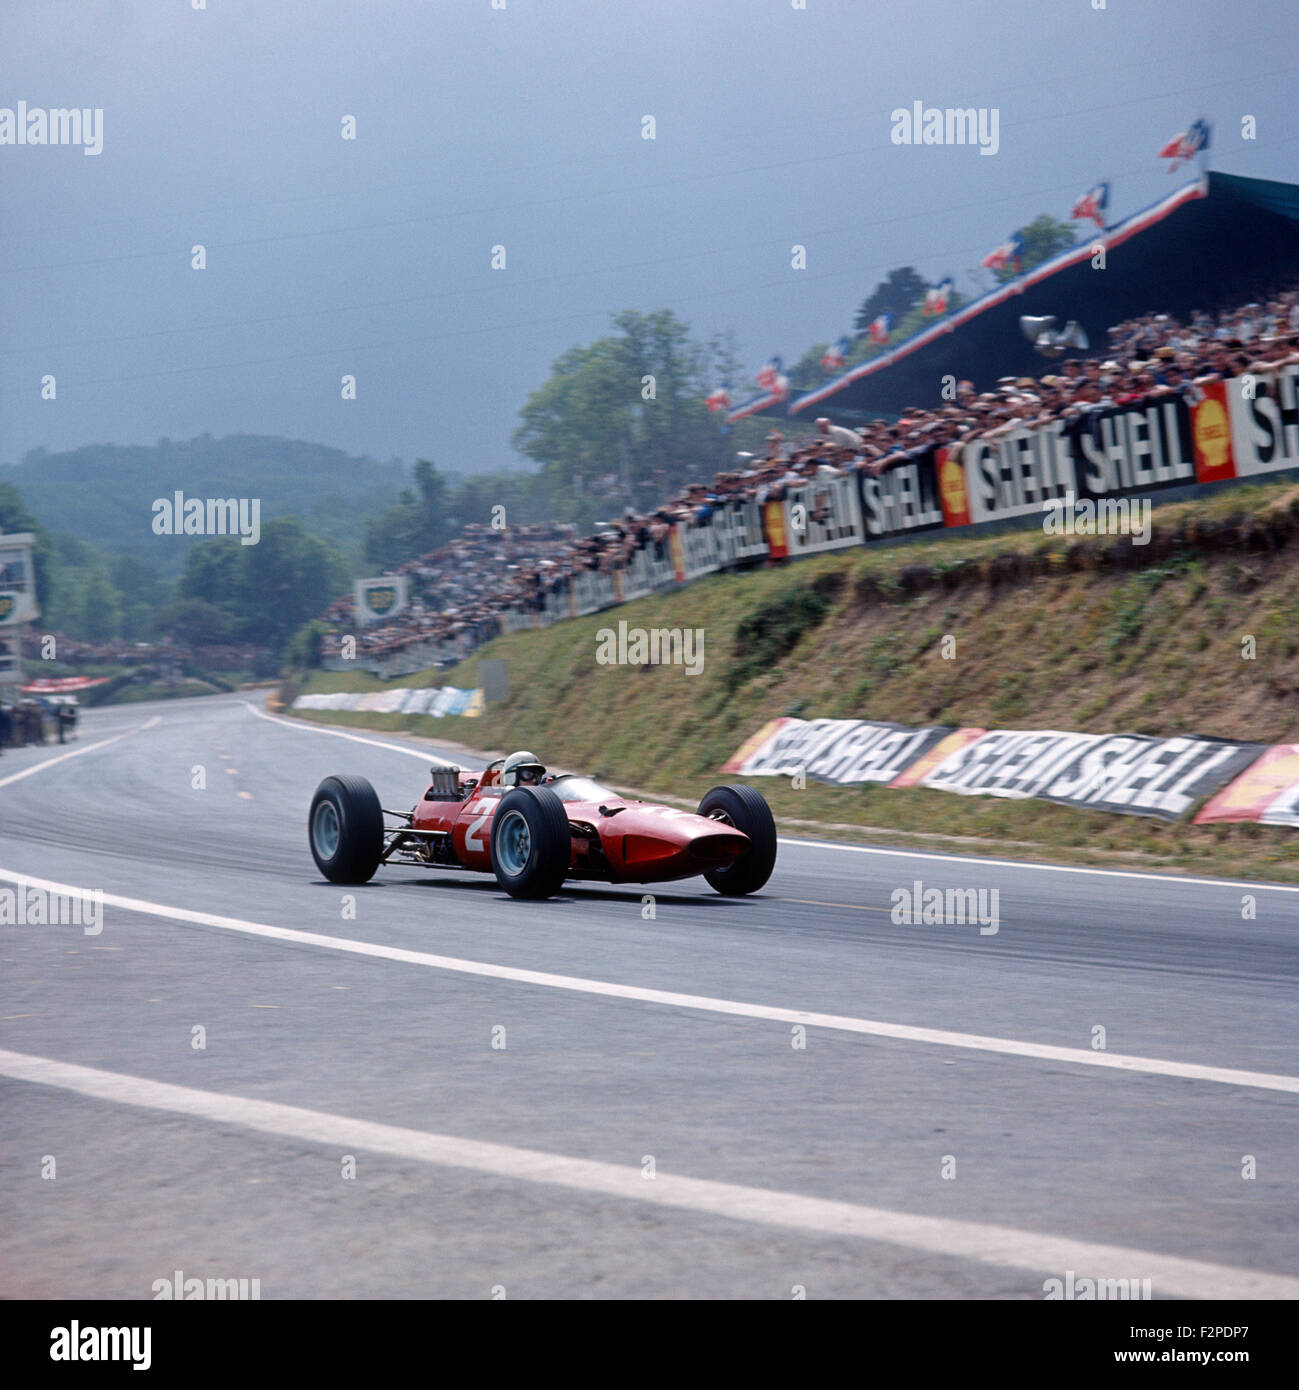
1252	884
1000	1246
867	849
77	752
1153	1066
424	755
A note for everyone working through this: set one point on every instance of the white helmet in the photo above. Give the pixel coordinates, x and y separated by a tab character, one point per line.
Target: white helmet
522	769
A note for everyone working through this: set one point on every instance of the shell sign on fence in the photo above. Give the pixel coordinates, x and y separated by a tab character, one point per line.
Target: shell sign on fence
1267	791
1211	435
1130	774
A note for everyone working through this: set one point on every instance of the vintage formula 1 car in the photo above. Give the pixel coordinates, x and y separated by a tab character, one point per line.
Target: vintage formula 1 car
534	837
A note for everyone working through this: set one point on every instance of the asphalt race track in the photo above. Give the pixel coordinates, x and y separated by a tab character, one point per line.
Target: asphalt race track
649	1128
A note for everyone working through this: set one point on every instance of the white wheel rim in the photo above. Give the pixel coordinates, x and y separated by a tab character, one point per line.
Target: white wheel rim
326	831
513	843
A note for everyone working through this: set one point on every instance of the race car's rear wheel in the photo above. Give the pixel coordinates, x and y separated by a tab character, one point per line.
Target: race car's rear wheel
345	829
531	842
747	811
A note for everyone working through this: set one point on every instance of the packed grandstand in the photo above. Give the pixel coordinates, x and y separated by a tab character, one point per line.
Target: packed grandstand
462	592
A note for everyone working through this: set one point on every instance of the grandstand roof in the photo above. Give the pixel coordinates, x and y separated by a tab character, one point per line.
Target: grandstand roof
1210	244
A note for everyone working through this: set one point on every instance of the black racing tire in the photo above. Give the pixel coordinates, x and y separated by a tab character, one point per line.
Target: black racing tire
747	811
532	845
345	829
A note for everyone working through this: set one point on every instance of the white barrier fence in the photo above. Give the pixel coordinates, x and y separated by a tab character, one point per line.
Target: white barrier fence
435	701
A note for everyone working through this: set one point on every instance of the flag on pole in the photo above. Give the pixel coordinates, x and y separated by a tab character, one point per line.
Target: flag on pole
766	378
1009	253
1092	205
834	357
1186	145
936	297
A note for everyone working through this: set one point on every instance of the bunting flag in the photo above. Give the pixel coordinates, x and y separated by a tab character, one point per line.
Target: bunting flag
937	296
881	328
834	357
719	398
1092	205
766	378
1186	145
1009	253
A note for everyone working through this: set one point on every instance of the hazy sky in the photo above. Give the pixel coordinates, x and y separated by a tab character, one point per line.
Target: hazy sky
522	127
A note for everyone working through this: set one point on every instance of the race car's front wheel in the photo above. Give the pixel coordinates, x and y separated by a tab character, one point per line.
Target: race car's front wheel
748	812
531	842
345	829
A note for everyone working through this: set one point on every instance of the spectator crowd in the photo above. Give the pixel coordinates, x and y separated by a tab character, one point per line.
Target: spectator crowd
465	587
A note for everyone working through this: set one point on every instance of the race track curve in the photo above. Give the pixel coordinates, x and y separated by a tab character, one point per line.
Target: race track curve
576	1099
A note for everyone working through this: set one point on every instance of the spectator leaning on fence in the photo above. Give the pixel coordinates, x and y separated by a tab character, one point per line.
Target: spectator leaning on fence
837	435
469	583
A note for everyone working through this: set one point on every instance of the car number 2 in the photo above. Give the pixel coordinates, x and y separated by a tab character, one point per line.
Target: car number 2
472	842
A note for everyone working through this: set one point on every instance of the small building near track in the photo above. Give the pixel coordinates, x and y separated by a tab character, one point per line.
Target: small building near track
18	607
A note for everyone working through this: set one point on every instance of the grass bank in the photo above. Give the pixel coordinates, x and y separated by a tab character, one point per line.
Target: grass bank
1098	635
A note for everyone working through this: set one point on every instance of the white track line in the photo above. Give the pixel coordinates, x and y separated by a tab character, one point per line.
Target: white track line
999	1246
869	849
424	755
76	752
1117	1061
1251	884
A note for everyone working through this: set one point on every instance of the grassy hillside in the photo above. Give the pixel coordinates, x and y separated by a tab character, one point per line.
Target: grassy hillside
1096	635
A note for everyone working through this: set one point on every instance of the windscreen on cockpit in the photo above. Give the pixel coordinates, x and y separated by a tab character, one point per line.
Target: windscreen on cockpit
570	788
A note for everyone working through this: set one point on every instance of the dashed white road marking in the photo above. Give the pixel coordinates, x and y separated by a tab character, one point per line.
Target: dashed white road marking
1003	1247
76	752
941	1037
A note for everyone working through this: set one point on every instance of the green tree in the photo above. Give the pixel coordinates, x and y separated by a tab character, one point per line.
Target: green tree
287	578
622	421
578	426
99	608
413	525
1044	237
303	648
115	513
807	373
267	590
142	592
431	496
525	497
72	565
196	622
214	572
394	535
896	294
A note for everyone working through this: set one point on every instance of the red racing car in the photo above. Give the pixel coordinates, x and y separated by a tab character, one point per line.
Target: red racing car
534	831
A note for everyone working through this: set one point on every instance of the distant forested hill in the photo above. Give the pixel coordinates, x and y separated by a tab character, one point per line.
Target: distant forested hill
104	493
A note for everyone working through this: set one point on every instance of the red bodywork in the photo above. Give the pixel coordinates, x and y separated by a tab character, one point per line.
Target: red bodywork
626	842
